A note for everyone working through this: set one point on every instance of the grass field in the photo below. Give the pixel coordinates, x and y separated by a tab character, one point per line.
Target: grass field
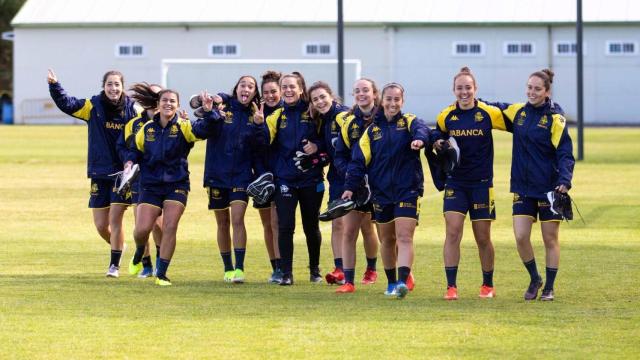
55	301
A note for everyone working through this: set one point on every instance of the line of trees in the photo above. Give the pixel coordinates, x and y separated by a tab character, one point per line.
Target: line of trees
8	9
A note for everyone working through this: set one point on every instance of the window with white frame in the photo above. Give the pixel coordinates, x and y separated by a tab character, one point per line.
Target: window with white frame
519	48
317	49
130	50
622	48
223	50
461	48
568	48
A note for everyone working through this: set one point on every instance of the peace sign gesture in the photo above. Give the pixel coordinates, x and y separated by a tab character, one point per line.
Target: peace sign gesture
51	77
258	113
207	101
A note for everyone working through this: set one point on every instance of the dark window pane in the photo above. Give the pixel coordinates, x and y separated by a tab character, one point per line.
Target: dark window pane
312	49
325	49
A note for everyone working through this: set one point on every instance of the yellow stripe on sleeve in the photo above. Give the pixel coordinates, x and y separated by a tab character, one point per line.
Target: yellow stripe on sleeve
272	124
442	117
140	136
409	118
557	128
511	112
84	112
128	128
187	131
365	147
344	130
497	120
340	118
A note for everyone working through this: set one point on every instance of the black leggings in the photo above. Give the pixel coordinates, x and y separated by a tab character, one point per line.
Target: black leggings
286	203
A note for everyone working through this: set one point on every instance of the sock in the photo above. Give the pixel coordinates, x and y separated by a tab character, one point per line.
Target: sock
239	252
391	275
157	252
551	278
452	273
338	263
137	257
487	278
227	261
115	257
278	264
371	263
163	265
403	273
532	269
146	262
273	264
349	275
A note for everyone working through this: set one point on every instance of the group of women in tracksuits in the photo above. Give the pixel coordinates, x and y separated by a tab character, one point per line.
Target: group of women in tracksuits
293	132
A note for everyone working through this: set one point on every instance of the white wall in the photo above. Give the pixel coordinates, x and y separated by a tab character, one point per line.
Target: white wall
420	58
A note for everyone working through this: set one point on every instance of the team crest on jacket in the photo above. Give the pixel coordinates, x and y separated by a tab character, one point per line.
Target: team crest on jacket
521	118
174	130
401	124
478	117
377	133
228	118
543	123
283	121
333	126
304	117
150	135
284	189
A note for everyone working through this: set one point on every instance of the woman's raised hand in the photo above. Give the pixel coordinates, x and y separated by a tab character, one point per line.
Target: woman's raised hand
51	77
258	113
207	100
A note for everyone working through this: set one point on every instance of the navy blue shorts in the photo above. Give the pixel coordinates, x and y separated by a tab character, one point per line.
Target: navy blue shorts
534	208
156	195
221	198
384	214
478	202
103	194
135	192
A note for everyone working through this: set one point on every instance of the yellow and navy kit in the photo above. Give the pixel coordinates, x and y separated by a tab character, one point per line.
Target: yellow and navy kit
542	155
103	134
353	126
231	147
384	153
472	131
331	125
162	151
286	129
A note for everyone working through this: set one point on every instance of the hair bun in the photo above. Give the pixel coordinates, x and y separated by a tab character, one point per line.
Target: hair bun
465	69
549	73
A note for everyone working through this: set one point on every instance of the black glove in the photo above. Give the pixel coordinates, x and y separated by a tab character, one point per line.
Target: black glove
304	162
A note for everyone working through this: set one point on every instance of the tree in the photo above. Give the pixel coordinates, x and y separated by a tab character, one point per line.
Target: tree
8	9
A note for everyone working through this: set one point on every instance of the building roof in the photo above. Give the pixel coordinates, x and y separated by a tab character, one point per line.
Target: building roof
54	13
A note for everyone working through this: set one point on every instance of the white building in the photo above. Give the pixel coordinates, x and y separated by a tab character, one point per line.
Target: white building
418	43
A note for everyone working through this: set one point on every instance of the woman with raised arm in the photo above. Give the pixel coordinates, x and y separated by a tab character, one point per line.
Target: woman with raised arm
228	171
272	100
388	152
162	146
105	114
297	158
